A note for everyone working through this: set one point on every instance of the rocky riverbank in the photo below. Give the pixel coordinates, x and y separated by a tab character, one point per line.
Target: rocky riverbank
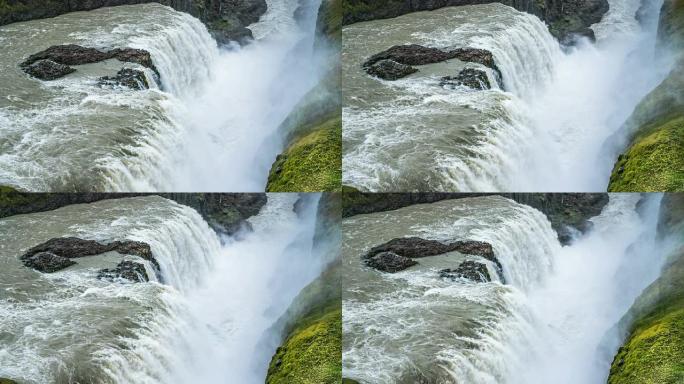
227	20
226	213
312	159
653	350
653	160
565	18
567	212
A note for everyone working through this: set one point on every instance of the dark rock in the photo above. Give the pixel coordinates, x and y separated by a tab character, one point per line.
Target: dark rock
48	70
389	262
471	270
131	78
129	270
73	247
414	54
47	262
411	54
68	54
242	36
389	70
469	77
415	247
72	54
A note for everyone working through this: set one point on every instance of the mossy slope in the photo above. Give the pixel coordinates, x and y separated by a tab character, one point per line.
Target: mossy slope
653	352
654	158
312	162
312	159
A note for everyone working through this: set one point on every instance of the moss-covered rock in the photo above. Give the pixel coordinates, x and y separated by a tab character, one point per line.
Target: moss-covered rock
7	381
653	161
312	162
653	351
312	353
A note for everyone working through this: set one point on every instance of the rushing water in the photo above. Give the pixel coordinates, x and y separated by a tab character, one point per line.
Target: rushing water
204	324
546	324
210	125
544	131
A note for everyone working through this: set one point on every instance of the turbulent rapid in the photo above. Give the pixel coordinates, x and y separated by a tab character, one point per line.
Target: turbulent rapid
551	126
205	321
210	122
551	321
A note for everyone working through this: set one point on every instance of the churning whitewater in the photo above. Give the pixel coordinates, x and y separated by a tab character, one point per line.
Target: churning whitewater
550	321
211	317
554	125
209	122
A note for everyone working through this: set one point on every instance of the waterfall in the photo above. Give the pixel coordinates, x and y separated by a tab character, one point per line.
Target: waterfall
592	285
228	296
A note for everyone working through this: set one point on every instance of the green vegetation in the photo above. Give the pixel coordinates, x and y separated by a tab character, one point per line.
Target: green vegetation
7	381
312	162
330	20
654	162
654	353
312	354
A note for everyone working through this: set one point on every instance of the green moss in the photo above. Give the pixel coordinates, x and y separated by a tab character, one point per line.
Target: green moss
312	162
654	352
331	20
654	162
312	354
7	381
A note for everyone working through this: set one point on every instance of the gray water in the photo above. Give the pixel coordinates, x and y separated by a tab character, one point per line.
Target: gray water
550	322
206	322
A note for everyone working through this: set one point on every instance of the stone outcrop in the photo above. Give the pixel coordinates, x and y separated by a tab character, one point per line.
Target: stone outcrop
471	270
416	247
128	270
47	70
469	77
564	17
389	262
226	19
389	70
50	256
56	60
397	61
47	262
126	77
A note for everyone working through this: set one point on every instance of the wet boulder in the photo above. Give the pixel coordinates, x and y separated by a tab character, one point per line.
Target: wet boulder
389	262
129	270
47	262
469	77
414	54
471	270
73	247
127	77
72	54
390	70
48	70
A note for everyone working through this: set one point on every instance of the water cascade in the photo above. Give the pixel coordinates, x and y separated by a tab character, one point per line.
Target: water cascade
219	298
